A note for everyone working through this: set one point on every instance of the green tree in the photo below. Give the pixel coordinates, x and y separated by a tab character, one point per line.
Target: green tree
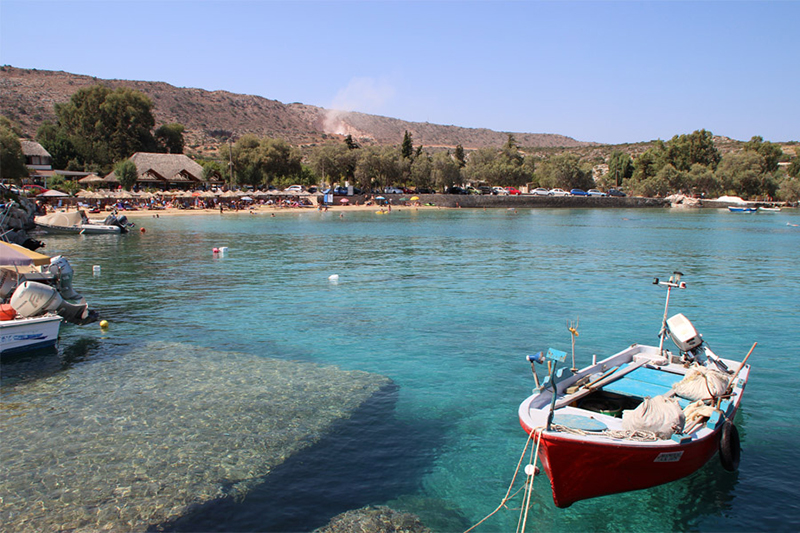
105	125
683	151
12	160
169	138
263	161
620	168
333	162
794	167
741	173
771	153
214	170
650	162
445	171
378	167
126	174
407	149
789	190
701	181
57	142
421	170
459	156
565	171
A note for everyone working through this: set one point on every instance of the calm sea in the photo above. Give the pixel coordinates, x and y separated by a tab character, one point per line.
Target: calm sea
448	304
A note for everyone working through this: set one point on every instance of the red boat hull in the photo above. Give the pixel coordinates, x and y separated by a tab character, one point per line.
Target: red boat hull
582	469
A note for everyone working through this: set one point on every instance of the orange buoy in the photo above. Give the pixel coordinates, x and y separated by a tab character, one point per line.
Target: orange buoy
142	230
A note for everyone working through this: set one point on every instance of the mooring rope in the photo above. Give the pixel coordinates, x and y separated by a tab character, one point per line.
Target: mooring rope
508	496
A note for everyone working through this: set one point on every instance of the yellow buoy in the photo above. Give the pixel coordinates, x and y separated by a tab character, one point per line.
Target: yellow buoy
104	324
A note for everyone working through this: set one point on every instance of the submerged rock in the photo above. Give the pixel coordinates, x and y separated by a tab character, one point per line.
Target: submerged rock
371	519
133	441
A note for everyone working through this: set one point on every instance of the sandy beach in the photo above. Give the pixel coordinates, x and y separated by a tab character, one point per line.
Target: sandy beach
265	210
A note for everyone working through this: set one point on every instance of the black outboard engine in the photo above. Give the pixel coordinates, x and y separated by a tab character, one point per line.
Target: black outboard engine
121	221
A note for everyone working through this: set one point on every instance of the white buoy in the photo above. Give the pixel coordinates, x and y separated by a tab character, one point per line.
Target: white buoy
223	250
96	269
333	277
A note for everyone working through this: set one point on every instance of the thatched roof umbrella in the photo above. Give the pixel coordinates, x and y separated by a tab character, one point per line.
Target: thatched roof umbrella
91	179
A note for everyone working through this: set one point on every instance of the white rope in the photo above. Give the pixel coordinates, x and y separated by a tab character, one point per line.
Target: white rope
641	436
530	470
508	495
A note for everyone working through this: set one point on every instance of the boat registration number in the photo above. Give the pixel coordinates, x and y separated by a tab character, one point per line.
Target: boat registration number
668	457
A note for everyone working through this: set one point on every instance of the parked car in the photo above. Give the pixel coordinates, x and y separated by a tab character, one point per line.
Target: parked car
558	192
393	190
512	191
595	192
578	192
423	190
541	191
485	189
616	192
455	190
499	190
294	188
472	190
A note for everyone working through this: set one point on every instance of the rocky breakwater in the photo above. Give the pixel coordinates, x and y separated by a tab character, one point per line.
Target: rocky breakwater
16	217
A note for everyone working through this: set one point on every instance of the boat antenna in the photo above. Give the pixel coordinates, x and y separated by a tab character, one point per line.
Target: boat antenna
674	281
573	329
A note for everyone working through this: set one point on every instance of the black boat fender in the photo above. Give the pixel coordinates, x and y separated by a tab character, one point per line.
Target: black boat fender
729	450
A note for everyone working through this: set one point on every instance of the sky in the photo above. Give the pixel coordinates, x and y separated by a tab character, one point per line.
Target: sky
608	72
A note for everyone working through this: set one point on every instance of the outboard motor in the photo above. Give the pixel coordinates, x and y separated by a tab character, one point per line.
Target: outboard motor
690	343
121	221
63	273
33	299
8	281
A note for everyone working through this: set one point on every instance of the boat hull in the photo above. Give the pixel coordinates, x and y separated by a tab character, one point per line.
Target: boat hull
83	229
23	334
599	469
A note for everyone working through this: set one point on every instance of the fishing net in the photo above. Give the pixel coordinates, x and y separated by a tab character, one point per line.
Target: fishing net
660	415
701	382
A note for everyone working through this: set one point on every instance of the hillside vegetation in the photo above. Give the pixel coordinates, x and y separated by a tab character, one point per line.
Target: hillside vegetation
28	96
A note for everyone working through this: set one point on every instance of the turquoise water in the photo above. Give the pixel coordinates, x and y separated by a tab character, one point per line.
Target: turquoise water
448	304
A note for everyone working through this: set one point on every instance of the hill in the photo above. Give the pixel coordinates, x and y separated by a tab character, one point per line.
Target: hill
27	96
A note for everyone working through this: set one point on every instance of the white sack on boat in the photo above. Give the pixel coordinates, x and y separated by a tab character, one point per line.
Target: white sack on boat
701	382
659	415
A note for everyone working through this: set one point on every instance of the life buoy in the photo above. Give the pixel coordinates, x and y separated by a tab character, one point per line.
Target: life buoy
729	450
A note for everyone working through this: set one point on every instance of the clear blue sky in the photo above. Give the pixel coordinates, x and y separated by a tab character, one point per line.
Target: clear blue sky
609	72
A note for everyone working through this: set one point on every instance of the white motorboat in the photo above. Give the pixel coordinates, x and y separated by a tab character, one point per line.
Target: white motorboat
77	222
22	334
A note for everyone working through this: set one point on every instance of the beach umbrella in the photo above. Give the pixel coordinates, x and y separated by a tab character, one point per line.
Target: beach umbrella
52	193
380	198
91	178
246	199
414	198
344	201
14	254
403	199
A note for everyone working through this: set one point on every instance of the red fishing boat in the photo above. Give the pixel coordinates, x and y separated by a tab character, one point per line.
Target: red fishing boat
640	418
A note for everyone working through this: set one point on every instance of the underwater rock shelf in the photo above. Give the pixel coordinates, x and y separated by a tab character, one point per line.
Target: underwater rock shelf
136	440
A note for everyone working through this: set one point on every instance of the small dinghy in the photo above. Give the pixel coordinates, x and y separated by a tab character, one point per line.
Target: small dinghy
734	209
640	418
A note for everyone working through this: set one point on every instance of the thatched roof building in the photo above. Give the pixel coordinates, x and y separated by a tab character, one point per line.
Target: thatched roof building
36	157
165	171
